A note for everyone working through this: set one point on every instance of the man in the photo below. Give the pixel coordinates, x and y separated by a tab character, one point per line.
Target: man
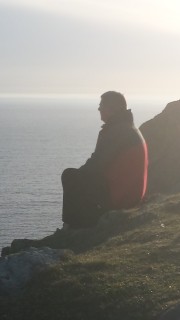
115	176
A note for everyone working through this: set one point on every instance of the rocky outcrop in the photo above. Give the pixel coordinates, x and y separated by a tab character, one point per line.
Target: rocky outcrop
81	240
162	134
25	257
17	269
133	272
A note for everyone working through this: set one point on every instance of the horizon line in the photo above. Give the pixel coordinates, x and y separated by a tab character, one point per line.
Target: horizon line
81	95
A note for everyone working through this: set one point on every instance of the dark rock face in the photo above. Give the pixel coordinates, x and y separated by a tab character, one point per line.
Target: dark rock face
162	134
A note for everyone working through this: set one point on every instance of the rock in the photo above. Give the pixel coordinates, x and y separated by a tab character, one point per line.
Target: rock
17	269
162	135
171	314
80	240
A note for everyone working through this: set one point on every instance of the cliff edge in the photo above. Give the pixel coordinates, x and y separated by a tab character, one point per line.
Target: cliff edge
127	268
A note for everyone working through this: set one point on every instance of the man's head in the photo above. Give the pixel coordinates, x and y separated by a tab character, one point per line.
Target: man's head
112	103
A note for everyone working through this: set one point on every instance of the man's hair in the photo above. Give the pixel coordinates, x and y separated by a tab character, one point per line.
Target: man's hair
114	100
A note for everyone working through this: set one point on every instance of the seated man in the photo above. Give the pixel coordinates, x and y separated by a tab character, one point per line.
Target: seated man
115	176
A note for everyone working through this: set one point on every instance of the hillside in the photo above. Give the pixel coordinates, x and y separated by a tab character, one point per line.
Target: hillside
128	268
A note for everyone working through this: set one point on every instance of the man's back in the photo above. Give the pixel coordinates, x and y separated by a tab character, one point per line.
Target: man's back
126	174
120	161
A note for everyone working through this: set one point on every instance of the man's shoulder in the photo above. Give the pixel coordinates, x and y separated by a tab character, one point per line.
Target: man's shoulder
121	131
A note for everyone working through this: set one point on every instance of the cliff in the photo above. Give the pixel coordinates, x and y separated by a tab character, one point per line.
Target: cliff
162	134
127	267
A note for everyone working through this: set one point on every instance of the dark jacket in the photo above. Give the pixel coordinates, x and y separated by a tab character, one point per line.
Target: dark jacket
120	161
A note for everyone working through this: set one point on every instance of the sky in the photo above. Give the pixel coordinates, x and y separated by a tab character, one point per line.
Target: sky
88	46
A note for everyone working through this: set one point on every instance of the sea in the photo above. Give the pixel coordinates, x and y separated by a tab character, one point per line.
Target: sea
40	136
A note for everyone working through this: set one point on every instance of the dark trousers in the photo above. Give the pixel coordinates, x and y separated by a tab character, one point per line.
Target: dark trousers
84	198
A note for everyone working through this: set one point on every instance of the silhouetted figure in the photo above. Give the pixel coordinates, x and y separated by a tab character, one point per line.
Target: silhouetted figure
115	176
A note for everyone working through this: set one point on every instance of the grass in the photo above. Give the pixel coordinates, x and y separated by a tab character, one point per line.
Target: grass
126	269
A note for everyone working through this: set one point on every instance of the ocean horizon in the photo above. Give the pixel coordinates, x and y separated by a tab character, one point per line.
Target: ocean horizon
40	136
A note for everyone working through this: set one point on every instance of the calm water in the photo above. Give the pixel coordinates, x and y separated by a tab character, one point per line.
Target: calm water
39	138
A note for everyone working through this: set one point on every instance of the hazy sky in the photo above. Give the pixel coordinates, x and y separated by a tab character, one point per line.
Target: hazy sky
88	46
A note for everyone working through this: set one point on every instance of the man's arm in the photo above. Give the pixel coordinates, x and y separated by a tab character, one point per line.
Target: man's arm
109	143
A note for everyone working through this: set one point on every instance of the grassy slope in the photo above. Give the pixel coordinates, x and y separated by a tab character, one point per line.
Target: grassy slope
132	274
